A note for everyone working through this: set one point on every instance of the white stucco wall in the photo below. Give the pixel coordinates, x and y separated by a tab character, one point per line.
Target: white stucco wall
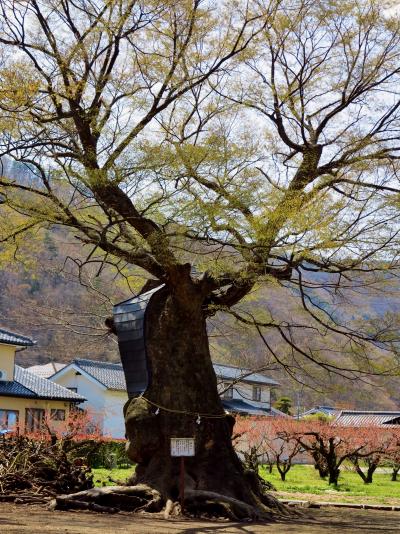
114	424
104	405
92	391
244	391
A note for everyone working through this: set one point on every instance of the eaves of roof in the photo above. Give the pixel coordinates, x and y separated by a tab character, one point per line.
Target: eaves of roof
382	419
106	375
230	372
109	374
29	385
240	406
73	366
11	338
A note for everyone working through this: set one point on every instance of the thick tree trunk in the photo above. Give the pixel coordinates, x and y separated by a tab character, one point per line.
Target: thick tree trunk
334	477
182	385
320	464
370	473
371	468
395	472
282	472
333	470
181	401
361	473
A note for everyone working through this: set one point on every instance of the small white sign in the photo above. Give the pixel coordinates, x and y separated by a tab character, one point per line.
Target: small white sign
182	446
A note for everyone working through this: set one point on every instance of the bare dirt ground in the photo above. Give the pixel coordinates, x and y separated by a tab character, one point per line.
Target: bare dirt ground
337	497
37	520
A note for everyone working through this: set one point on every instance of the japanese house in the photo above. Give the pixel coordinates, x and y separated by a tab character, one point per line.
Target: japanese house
103	385
27	400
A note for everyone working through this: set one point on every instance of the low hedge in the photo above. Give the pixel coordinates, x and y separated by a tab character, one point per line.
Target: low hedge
107	454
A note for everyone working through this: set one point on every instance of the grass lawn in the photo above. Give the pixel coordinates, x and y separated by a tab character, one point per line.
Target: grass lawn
303	482
102	476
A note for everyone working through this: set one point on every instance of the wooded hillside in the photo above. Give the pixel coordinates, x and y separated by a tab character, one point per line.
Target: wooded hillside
43	296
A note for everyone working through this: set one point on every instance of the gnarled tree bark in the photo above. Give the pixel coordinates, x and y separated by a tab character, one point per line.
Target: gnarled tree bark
186	405
182	401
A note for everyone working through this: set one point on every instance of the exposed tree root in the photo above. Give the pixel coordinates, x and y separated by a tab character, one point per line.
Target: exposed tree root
216	504
169	507
63	503
142	498
113	499
172	509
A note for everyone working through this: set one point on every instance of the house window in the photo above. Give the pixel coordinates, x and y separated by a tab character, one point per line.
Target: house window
57	415
227	391
74	408
8	419
34	419
75	390
257	393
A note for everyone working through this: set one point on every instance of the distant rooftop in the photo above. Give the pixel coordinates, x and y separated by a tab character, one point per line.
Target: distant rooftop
109	374
244	408
361	418
326	410
46	370
240	406
29	385
229	372
11	338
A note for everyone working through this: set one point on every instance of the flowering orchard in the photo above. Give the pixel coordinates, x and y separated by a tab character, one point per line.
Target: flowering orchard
259	440
284	441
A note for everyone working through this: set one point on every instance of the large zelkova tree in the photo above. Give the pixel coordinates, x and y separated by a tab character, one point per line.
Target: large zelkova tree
217	149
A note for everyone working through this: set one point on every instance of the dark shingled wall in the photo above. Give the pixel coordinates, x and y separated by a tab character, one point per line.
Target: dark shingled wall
129	320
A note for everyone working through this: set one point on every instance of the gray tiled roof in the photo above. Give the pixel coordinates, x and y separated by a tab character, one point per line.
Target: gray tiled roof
14	389
240	406
29	385
112	375
46	370
326	410
10	338
367	418
277	413
228	372
109	374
